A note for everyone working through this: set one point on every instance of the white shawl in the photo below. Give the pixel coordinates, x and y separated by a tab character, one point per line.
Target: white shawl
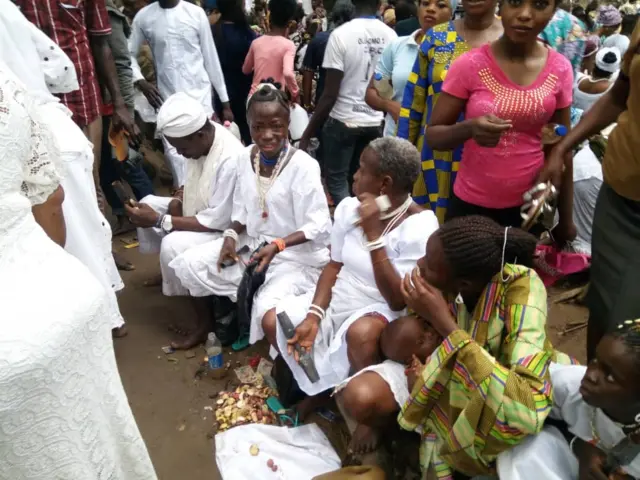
201	174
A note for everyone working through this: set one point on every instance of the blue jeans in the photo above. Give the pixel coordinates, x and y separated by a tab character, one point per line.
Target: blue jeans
130	170
341	150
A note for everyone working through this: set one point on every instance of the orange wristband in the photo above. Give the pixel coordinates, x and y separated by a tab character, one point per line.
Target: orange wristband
278	242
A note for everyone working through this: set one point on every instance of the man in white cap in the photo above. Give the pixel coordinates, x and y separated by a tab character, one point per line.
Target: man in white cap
199	211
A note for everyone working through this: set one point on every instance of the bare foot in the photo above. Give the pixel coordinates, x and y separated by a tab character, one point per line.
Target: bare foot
123	264
120	332
194	339
179	330
365	439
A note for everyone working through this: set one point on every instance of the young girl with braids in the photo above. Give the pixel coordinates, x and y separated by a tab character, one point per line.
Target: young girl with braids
600	405
278	199
485	387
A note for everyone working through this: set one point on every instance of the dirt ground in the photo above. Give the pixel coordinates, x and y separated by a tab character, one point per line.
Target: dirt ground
169	404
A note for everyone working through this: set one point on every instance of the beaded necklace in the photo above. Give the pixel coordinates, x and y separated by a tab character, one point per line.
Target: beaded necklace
264	190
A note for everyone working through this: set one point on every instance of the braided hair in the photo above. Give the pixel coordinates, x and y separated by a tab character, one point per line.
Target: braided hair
629	332
267	93
473	246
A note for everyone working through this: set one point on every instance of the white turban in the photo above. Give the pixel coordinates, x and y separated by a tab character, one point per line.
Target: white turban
180	116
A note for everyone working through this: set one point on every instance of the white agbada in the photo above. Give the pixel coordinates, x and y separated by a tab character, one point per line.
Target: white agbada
547	455
63	411
355	293
185	58
88	232
208	195
295	202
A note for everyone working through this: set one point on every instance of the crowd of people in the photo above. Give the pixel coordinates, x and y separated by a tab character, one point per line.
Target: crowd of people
376	172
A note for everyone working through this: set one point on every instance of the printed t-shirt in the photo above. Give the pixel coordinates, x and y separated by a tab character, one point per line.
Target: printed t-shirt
354	48
498	177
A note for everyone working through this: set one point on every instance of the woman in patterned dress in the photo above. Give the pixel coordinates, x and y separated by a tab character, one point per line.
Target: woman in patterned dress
440	47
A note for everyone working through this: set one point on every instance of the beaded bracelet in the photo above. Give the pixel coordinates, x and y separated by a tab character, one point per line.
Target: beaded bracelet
317	311
230	233
280	243
375	244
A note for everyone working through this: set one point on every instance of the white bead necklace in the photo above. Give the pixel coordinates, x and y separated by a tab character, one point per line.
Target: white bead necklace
263	190
395	215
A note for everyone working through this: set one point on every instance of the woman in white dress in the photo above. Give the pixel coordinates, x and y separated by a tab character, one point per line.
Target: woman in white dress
63	411
278	199
600	405
358	293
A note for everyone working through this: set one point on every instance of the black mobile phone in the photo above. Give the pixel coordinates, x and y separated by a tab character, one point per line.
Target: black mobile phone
230	261
122	193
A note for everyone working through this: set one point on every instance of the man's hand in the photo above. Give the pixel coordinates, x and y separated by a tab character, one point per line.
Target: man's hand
227	114
121	120
150	91
264	256
305	336
175	208
142	215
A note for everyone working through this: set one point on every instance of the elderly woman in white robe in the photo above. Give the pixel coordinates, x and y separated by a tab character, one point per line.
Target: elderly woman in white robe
63	411
278	199
358	293
173	225
41	65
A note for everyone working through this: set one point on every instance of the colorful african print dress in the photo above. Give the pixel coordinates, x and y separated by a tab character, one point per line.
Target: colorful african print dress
487	386
441	46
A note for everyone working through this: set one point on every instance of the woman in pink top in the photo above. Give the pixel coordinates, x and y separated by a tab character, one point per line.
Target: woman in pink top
508	91
273	54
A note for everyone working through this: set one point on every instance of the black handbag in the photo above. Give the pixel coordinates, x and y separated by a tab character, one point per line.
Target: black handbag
249	285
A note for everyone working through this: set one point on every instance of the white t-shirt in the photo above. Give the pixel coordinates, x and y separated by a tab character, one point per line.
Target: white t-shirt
354	48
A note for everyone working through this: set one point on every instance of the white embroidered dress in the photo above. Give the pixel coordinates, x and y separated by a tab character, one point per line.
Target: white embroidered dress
63	411
295	202
355	293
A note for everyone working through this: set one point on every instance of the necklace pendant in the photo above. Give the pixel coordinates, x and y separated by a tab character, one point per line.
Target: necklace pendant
265	214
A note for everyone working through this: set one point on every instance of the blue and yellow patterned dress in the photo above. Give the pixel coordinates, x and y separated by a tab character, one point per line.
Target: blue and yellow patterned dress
441	45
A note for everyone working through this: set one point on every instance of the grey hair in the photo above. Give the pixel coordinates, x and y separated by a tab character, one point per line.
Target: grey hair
399	159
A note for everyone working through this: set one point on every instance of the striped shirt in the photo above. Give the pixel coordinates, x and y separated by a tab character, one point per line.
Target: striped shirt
70	24
486	387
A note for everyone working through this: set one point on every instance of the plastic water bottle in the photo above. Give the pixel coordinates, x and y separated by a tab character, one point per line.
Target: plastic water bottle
383	86
552	133
214	354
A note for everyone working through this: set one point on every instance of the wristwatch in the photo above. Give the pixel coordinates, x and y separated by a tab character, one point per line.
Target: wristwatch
167	224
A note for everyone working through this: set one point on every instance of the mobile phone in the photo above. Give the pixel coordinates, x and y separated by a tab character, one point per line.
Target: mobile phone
230	261
122	194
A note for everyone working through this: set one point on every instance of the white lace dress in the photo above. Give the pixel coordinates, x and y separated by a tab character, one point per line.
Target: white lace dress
64	414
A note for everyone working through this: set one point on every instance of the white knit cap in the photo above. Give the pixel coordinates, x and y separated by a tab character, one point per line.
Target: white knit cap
604	66
180	116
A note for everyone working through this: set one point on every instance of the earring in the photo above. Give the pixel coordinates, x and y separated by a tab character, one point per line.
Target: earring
637	418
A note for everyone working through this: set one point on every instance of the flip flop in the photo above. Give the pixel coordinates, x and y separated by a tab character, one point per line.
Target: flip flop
242	343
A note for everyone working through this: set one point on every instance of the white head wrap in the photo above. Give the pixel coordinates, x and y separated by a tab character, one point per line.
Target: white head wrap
604	66
180	116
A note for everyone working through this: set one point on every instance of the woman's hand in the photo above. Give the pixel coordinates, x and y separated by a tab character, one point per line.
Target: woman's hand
553	167
591	461
413	372
227	252
305	336
488	130
428	302
142	215
264	256
369	213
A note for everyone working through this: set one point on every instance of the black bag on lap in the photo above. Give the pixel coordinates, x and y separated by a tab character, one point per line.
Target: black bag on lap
249	285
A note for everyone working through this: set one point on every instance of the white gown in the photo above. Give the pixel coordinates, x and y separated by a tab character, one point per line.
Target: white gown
212	181
355	293
185	58
63	411
295	202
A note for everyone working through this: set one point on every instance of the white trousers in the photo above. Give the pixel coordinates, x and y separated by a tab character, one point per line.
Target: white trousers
154	240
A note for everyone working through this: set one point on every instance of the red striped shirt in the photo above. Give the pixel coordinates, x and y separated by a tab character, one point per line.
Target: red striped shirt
69	23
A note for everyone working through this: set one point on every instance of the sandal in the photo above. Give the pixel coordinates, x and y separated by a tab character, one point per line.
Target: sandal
242	343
